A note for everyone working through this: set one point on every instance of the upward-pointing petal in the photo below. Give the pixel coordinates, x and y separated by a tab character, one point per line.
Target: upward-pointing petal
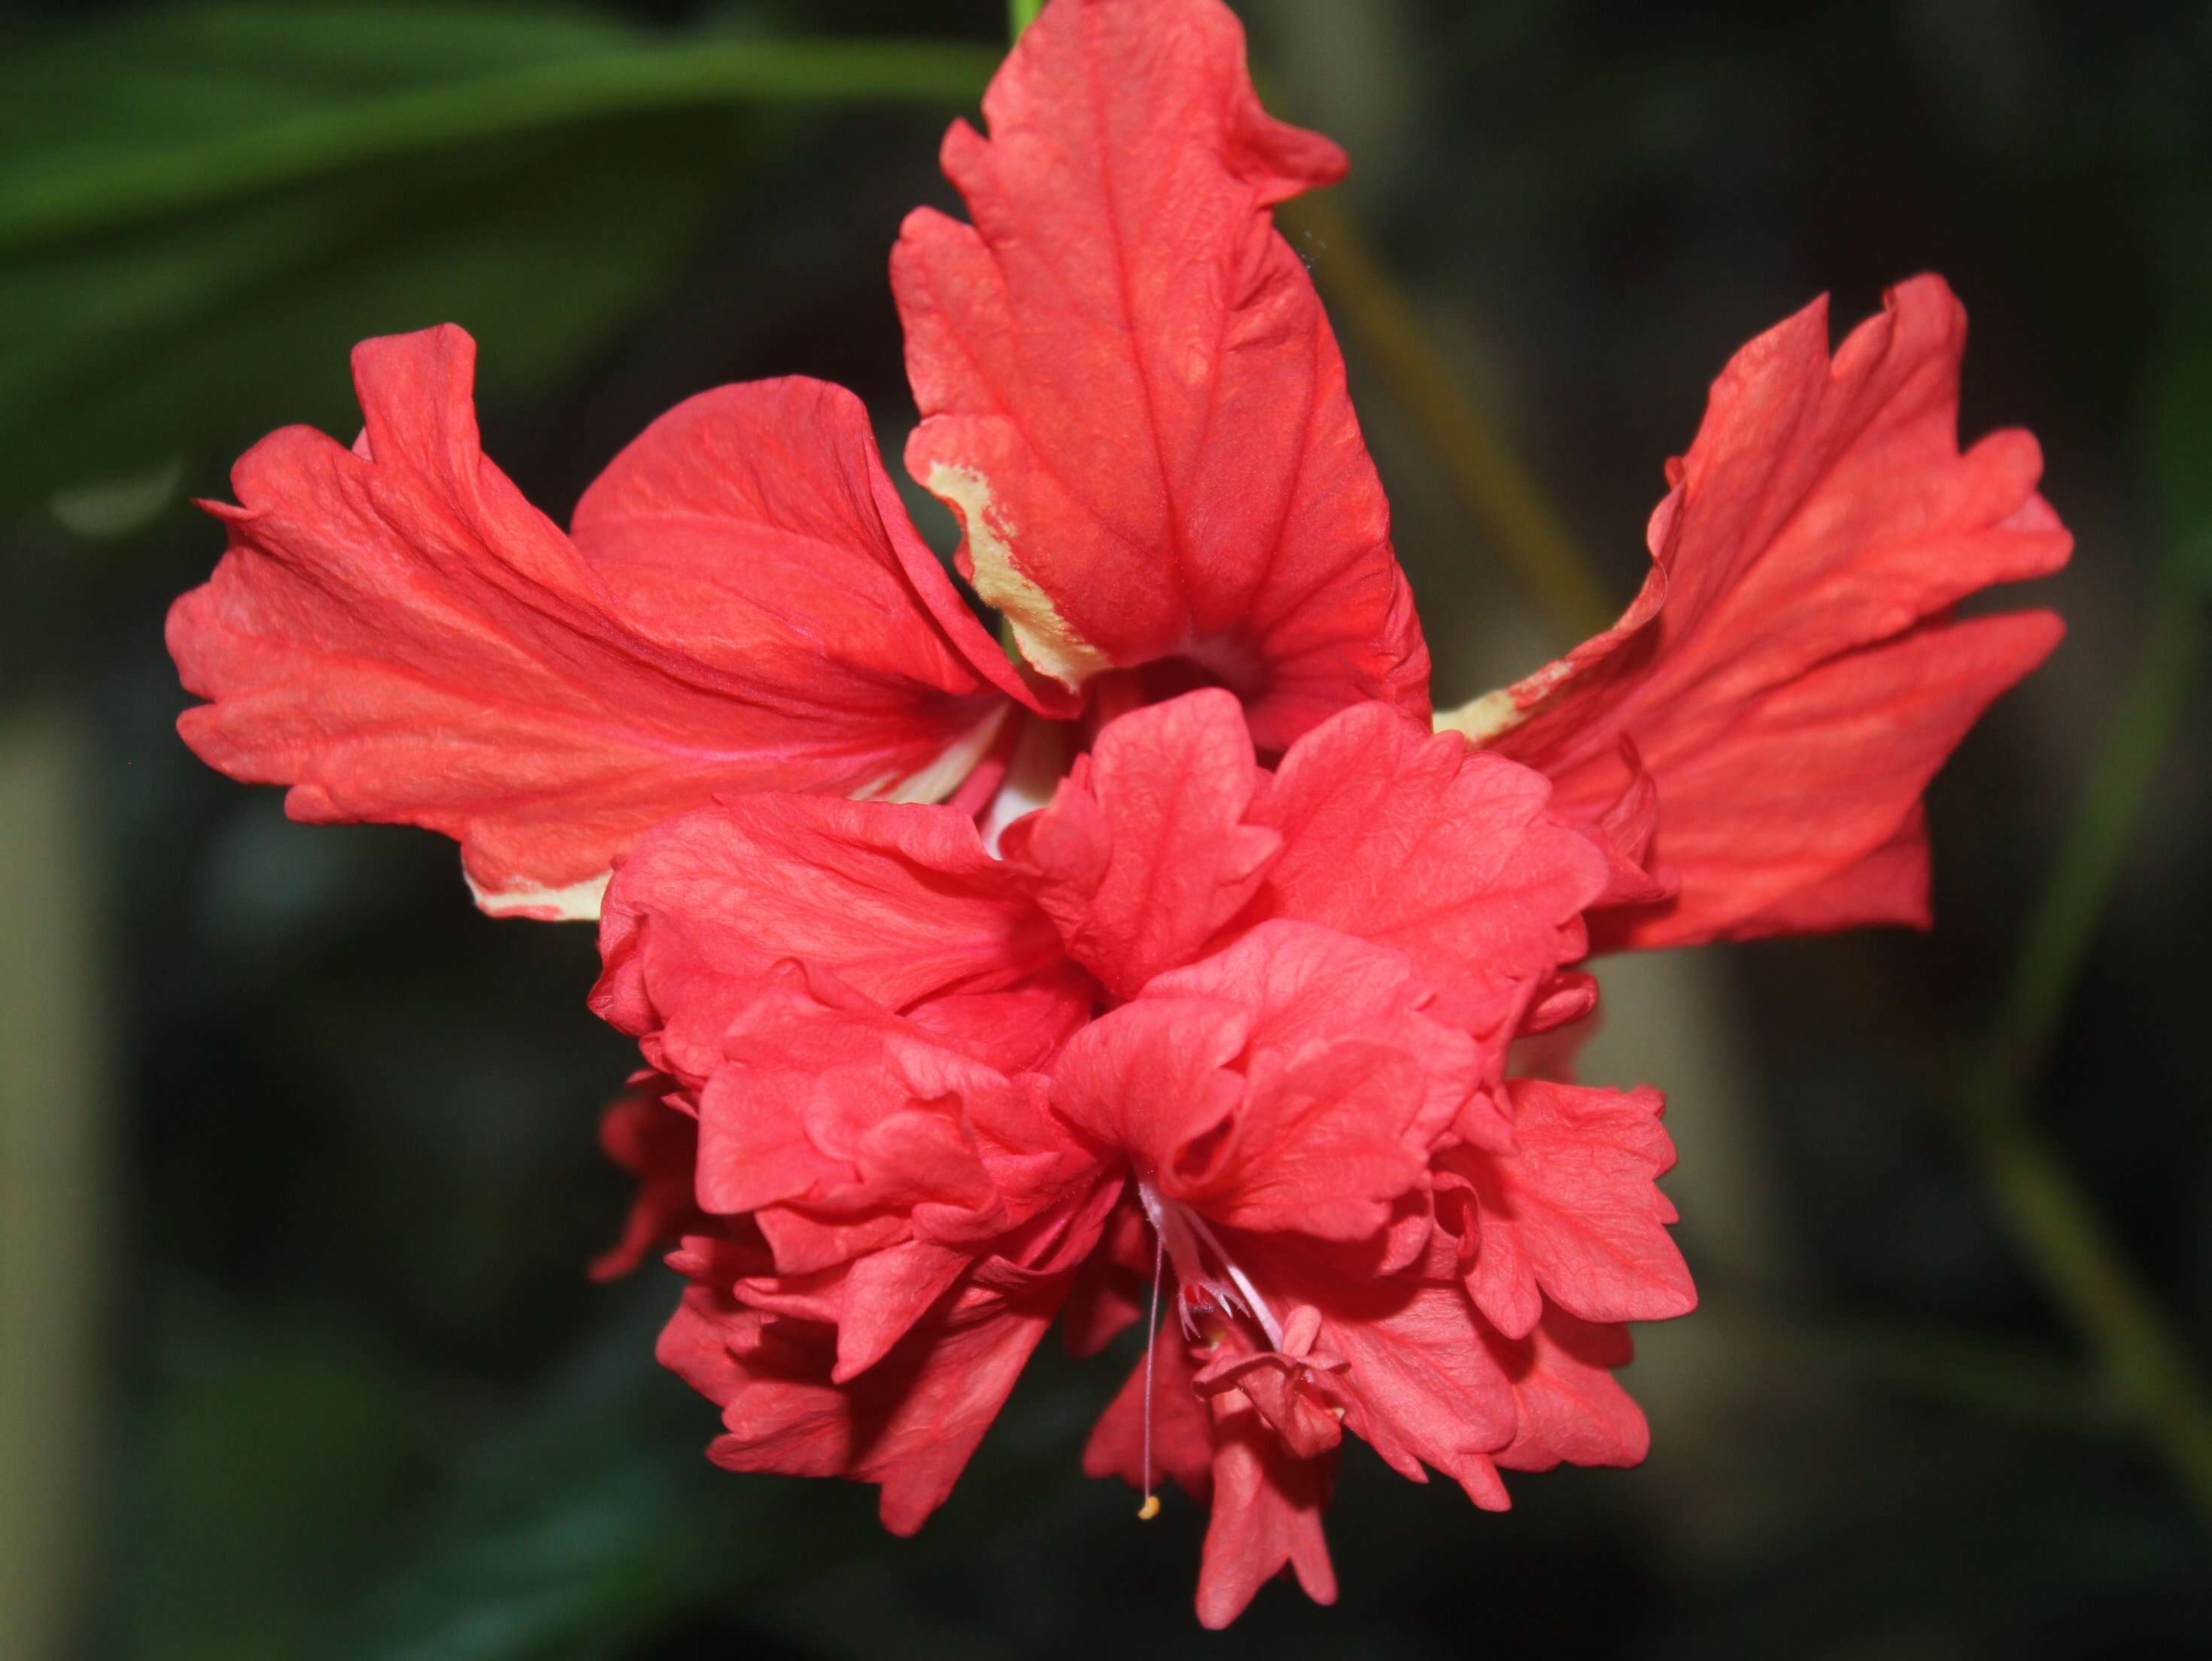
1132	398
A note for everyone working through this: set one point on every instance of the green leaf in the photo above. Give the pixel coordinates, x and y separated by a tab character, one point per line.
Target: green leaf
2178	440
204	206
258	1478
585	1519
168	111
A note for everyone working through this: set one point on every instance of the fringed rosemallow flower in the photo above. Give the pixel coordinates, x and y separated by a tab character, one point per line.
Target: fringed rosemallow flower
974	994
1239	1034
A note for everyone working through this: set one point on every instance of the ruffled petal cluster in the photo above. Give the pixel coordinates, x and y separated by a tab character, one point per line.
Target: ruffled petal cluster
1179	972
1192	1005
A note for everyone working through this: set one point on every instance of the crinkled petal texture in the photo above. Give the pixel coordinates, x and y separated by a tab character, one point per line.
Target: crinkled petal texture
1792	675
1263	1016
884	1226
1410	840
908	1424
1148	847
400	637
851	995
1293	1083
1169	840
1131	395
901	903
1572	1212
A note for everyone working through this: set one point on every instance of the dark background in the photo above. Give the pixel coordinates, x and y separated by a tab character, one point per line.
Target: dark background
296	1353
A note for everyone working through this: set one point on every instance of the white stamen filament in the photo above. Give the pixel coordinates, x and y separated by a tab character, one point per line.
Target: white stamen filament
1151	1508
1253	1300
1181	1232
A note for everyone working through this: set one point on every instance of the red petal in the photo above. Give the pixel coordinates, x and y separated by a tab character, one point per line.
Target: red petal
1890	885
886	1293
1267	1507
755	525
1422	1384
1291	1082
1144	853
657	1143
1018	1030
399	636
910	1423
1573	1210
872	1300
1572	1409
1110	1294
841	1115
1398	836
1790	673
1759	845
1153	1078
1132	398
901	903
1348	1083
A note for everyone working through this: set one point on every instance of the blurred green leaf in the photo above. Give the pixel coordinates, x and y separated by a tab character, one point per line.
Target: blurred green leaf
203	207
1981	1551
238	1535
168	111
108	508
2180	443
584	1520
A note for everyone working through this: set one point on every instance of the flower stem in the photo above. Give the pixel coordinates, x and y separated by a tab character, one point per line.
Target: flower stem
2150	1375
2150	1371
2058	931
1470	443
1020	14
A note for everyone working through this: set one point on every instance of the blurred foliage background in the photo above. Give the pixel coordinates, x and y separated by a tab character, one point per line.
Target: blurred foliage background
300	1171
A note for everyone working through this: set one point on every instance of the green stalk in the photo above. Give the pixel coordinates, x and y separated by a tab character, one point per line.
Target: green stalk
1020	14
2058	932
2150	1371
1467	440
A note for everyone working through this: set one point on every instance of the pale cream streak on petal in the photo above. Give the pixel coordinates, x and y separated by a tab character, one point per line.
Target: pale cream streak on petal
1481	719
938	780
577	903
1043	636
1042	757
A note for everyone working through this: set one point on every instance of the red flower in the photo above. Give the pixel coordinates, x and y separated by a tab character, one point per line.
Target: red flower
1235	1013
1258	1019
